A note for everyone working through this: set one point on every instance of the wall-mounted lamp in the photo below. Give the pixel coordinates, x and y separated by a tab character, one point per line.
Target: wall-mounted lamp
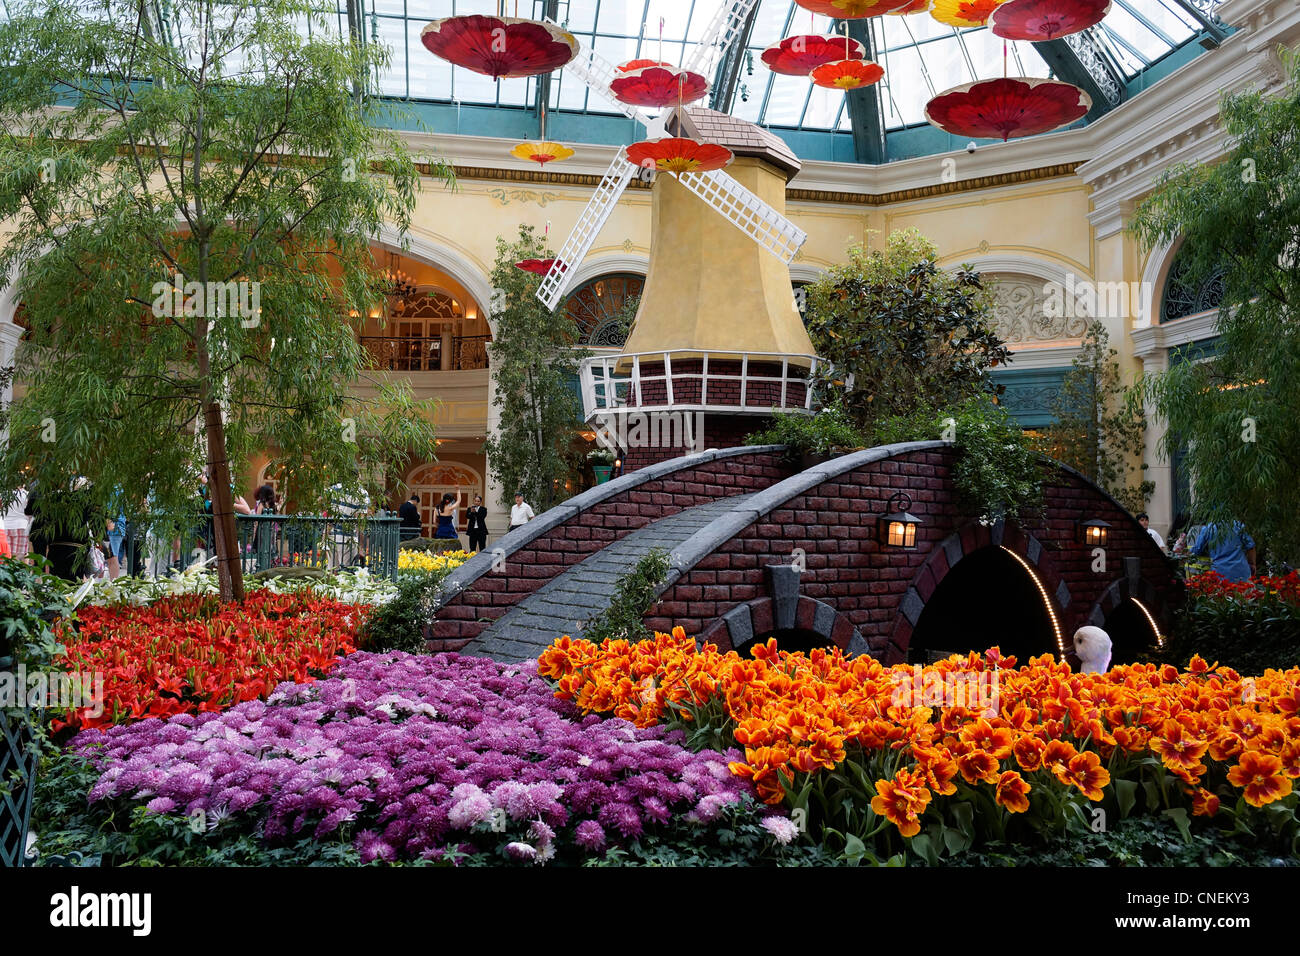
896	528
1093	532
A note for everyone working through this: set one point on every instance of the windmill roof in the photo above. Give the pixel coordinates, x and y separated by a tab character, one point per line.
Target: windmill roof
741	137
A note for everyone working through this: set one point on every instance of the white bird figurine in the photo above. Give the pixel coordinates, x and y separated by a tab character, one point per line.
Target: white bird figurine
1092	645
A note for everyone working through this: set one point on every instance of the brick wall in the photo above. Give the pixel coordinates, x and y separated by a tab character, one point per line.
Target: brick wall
463	617
835	525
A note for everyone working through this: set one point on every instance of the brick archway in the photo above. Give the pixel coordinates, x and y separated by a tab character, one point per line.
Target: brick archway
948	554
1131	587
755	620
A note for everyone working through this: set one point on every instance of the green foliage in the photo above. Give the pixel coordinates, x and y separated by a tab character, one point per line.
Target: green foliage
899	332
1249	636
998	474
828	431
398	625
1145	841
1097	431
535	359
1240	216
633	597
157	165
30	602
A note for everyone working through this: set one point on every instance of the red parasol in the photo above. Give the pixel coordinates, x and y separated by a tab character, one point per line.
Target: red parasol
500	46
847	74
540	266
676	155
799	56
655	86
1042	20
631	65
1000	109
964	13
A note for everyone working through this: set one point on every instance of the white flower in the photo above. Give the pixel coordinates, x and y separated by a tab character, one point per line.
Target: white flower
584	761
782	829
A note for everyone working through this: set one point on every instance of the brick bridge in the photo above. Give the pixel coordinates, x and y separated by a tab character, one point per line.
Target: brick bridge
760	549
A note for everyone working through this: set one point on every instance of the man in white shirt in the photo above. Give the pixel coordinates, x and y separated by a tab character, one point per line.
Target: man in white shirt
1145	522
521	512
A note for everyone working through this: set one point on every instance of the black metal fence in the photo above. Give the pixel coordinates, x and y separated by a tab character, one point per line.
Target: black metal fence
269	541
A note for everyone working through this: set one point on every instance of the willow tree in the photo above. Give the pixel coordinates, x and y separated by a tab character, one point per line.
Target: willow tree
1235	416
535	357
190	190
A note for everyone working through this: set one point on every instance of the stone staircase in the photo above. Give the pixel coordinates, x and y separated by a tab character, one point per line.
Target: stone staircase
564	604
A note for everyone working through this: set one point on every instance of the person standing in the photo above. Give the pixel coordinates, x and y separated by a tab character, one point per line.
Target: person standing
477	525
1232	555
409	511
15	525
447	518
1145	522
521	512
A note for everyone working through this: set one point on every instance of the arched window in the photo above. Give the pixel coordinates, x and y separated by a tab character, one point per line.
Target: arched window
1183	296
598	309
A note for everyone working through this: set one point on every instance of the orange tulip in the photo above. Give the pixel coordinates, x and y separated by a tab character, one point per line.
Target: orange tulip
1177	747
1085	772
1204	803
1261	778
1012	792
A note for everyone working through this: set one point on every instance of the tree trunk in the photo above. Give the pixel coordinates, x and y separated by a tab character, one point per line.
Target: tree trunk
230	571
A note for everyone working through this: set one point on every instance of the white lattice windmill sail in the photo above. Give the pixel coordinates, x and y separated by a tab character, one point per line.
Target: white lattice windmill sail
740	207
723	31
576	247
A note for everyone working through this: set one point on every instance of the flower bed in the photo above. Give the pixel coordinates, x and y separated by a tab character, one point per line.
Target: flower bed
409	559
410	757
857	746
1249	625
188	653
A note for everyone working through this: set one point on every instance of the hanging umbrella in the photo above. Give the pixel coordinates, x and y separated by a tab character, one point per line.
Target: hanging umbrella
655	86
540	266
631	65
541	153
1014	106
1042	20
852	9
677	155
847	74
964	13
913	6
500	46
799	56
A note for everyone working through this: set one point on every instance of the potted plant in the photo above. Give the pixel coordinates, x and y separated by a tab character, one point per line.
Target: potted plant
602	464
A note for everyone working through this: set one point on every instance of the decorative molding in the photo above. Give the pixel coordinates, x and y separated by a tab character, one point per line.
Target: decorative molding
1016	178
1039	359
1160	338
1019	316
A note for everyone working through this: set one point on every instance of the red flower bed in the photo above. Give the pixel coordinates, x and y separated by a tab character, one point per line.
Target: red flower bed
188	653
1285	588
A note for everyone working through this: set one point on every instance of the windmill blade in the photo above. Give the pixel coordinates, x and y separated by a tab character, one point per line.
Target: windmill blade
723	30
740	207
575	248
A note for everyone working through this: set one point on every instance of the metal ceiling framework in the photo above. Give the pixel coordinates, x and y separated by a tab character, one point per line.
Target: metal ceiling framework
923	58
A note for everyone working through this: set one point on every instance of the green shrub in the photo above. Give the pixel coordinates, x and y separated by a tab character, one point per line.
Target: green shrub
398	625
1249	627
824	433
633	597
431	545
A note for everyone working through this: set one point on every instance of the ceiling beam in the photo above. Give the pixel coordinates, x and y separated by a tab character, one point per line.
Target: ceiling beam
727	79
864	104
543	99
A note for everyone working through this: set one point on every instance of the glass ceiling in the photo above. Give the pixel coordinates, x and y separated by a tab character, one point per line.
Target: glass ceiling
921	56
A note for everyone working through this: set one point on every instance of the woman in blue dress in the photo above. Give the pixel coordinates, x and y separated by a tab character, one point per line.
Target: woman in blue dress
447	518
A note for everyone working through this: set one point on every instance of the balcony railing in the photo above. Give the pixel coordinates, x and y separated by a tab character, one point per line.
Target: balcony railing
426	354
734	382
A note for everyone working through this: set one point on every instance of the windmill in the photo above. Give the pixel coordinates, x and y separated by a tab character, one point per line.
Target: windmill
738	205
